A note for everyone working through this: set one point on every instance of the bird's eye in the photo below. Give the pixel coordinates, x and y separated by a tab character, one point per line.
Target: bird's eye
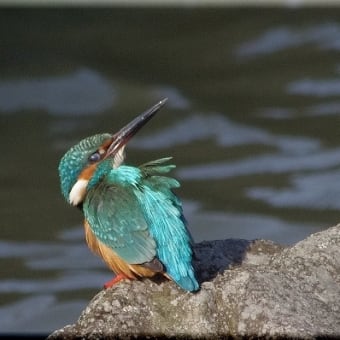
95	157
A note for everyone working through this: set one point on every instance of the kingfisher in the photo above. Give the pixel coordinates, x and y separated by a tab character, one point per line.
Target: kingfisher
132	218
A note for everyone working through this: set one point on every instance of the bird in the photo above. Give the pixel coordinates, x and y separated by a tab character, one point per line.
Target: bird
132	218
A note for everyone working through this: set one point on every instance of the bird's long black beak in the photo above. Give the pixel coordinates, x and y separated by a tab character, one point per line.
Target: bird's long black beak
120	138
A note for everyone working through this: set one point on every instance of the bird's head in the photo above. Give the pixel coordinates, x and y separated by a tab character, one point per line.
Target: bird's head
83	164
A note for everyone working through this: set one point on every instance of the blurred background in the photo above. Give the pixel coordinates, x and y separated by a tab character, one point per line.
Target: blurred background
252	121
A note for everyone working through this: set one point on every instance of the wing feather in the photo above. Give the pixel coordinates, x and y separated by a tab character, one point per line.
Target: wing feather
115	217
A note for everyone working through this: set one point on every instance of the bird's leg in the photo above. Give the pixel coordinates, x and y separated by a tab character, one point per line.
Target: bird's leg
115	280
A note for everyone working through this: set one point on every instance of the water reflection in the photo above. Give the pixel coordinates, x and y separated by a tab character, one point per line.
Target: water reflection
250	226
324	36
323	109
269	164
38	314
317	88
314	191
82	92
225	132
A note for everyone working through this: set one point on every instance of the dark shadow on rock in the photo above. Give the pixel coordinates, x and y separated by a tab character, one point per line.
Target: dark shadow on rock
214	257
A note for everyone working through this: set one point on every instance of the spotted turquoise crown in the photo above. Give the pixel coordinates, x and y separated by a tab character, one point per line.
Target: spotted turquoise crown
76	159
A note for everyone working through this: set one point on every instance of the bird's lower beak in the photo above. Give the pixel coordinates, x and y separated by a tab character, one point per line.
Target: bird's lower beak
128	131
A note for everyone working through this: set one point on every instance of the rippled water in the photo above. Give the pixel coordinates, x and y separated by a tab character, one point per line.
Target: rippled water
252	122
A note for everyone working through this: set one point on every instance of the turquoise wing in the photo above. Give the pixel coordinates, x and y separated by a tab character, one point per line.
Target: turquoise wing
164	215
117	220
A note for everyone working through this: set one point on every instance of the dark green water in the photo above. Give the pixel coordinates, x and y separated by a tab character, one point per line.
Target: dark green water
252	122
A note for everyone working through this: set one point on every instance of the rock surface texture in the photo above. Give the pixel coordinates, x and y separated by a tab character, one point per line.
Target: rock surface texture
248	288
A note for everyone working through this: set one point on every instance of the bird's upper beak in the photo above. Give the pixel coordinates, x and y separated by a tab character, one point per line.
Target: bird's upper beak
120	138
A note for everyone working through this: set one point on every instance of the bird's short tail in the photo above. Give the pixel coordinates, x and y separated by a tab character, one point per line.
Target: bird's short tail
188	282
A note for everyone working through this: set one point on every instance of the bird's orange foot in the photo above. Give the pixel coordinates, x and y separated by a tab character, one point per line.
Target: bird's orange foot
115	280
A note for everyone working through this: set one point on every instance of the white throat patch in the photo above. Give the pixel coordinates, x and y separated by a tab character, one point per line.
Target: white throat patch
119	157
78	192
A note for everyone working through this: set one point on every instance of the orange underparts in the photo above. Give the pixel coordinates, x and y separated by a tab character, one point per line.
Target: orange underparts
122	269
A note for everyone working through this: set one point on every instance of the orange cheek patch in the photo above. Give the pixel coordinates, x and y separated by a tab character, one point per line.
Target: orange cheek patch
88	172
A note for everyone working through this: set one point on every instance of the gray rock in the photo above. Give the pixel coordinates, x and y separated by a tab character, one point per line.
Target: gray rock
249	288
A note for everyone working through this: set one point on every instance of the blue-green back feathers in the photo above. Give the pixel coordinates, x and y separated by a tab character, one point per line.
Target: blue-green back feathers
134	211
